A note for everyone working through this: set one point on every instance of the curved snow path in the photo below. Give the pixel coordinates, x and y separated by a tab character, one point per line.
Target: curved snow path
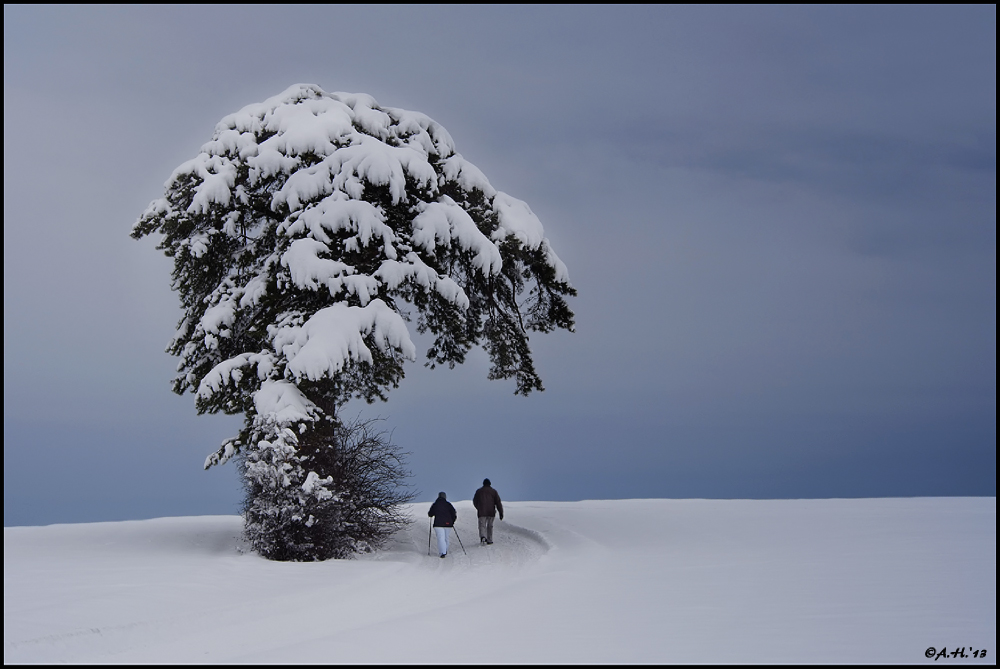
513	545
131	591
683	581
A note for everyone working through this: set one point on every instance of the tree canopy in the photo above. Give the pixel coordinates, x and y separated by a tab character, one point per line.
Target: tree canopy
311	230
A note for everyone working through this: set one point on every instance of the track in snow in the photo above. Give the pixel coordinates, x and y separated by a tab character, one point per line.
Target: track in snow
513	545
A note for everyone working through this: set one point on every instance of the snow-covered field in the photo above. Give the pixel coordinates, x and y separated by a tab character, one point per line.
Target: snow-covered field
844	580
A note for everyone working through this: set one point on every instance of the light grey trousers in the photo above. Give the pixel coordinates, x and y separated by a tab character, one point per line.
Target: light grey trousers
442	537
486	528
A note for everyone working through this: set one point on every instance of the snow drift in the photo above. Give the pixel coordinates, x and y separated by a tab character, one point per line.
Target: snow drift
706	581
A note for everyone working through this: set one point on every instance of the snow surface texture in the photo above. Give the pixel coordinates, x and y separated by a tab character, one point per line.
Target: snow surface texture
813	581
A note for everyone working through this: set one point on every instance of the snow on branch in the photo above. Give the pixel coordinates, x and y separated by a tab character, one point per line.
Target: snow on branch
335	335
304	230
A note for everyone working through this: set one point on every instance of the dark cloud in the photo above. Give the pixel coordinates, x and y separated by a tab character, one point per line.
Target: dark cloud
781	221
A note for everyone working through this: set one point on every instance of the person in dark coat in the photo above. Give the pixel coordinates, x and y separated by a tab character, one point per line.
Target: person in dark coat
487	503
444	515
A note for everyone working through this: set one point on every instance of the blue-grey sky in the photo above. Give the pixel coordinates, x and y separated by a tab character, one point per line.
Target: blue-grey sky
781	223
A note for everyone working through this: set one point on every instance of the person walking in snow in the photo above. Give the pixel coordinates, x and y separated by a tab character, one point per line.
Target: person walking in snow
444	515
487	503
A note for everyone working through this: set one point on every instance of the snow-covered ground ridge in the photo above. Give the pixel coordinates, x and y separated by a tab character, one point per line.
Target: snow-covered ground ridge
656	580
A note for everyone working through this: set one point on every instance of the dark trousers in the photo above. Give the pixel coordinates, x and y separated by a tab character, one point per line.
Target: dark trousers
486	528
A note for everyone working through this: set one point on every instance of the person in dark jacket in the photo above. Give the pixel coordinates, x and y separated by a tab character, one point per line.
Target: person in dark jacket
444	515
487	503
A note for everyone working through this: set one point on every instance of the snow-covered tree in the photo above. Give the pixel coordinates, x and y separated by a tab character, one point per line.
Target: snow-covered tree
305	236
310	520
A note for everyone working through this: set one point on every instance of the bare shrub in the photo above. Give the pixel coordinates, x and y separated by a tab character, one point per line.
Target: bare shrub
333	491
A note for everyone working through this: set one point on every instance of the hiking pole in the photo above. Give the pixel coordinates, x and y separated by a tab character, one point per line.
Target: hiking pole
459	539
429	523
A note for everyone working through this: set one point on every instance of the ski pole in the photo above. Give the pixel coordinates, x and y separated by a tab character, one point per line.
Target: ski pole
429	523
459	539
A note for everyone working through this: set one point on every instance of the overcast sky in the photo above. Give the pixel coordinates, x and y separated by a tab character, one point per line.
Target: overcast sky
781	223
